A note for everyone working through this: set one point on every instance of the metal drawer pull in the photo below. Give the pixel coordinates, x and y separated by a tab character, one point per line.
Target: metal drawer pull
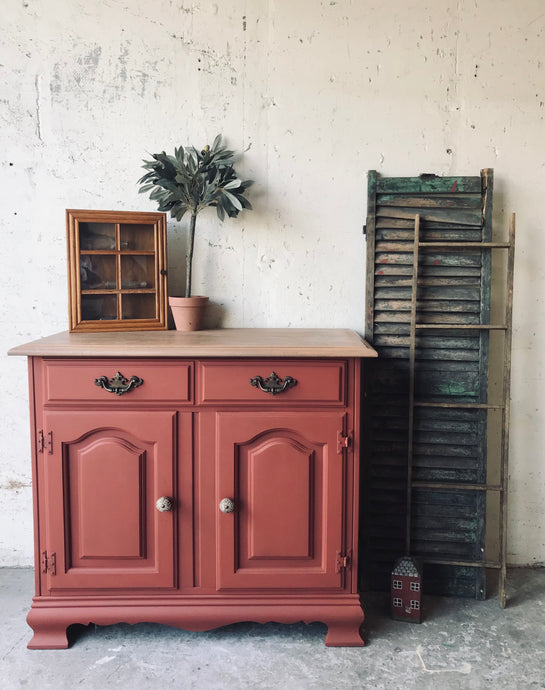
164	504
273	384
227	505
118	384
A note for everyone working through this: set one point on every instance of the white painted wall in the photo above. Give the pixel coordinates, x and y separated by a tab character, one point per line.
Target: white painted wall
322	92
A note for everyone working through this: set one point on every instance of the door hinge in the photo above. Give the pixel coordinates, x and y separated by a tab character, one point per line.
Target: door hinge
45	441
49	563
343	441
342	560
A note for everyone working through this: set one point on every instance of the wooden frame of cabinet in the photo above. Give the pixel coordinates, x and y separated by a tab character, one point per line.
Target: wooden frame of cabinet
117	270
129	488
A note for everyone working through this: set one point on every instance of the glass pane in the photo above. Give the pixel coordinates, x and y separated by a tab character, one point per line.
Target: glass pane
97	272
97	236
139	237
139	306
98	307
137	272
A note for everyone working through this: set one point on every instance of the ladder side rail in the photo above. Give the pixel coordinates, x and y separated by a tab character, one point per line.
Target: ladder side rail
412	359
504	475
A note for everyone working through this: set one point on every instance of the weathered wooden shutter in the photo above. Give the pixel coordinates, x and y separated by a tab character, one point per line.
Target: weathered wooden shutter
446	428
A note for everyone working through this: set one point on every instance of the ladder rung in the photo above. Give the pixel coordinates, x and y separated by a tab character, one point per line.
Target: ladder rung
468	564
463	406
462	326
467	245
457	487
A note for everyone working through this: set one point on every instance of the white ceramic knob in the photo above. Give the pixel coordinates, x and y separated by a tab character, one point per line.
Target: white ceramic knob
227	505
164	504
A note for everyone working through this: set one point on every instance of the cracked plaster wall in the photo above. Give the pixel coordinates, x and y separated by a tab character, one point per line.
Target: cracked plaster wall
321	92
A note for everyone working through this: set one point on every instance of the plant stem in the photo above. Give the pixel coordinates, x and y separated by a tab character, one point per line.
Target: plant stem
189	255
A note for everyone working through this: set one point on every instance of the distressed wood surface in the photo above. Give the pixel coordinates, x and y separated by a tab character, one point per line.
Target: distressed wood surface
459	201
228	342
464	217
428	184
370	230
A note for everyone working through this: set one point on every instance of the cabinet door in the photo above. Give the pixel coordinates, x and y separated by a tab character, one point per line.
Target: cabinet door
104	472
286	478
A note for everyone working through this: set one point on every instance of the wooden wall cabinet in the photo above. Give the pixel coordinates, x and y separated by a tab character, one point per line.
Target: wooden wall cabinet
220	484
117	270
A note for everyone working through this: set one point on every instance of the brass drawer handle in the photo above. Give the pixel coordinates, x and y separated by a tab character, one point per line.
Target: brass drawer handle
118	384
273	384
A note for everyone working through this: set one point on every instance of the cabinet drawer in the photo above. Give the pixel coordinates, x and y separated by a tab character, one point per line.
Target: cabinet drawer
75	380
236	381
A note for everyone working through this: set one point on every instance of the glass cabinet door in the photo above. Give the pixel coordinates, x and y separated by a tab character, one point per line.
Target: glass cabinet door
117	270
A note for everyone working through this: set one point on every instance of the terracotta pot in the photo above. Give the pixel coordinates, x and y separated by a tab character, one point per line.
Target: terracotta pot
188	312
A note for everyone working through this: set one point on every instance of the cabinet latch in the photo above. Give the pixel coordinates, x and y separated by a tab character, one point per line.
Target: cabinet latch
49	563
342	560
343	441
45	441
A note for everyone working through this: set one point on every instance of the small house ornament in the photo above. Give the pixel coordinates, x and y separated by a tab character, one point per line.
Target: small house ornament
406	590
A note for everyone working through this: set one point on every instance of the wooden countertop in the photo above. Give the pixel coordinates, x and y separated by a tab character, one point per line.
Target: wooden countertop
224	342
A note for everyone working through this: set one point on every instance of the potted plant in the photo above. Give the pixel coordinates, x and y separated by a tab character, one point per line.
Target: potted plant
188	182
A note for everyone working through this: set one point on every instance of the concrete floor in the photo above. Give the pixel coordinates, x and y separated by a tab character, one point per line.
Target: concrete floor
461	644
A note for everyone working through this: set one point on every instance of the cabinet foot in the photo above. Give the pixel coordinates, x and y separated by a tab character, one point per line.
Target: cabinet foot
345	633
48	633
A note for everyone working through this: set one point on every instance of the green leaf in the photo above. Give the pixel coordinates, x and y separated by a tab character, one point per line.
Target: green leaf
228	207
182	177
233	199
225	203
179	213
233	184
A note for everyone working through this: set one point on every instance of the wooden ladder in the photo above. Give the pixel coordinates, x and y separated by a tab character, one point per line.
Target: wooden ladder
501	488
